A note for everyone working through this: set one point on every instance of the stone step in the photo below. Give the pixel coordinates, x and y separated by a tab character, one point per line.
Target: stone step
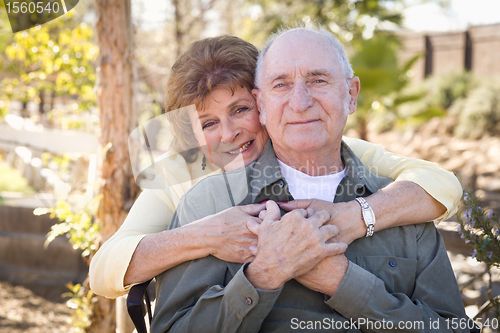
25	259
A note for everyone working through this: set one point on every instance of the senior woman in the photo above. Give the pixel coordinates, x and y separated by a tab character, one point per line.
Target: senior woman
217	75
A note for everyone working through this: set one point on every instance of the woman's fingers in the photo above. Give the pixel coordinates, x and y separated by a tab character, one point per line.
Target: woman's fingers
253	209
273	212
335	248
295	204
319	218
329	231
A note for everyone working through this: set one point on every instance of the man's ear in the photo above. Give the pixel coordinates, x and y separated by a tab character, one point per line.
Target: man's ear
255	93
354	86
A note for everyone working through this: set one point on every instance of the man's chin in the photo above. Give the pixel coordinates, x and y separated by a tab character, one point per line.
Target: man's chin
304	145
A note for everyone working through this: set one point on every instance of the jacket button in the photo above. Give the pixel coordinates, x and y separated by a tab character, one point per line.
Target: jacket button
248	300
392	263
360	190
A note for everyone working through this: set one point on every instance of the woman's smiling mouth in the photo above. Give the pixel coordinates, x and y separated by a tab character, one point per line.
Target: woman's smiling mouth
241	149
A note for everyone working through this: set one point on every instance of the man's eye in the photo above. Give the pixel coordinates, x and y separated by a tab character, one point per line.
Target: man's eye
279	85
319	81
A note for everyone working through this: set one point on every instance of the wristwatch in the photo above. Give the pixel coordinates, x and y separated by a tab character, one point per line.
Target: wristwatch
368	216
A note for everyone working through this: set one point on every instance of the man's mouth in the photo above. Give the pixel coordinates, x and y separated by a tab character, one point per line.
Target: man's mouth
241	149
304	122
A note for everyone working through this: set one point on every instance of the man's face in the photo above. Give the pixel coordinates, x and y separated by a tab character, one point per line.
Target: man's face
304	93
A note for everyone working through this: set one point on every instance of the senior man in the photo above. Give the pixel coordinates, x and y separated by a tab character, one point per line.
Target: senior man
398	279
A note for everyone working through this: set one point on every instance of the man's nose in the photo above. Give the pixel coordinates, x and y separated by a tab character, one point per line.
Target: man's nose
300	100
230	131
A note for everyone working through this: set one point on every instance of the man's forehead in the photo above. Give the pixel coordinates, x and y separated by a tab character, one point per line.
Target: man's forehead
288	73
300	52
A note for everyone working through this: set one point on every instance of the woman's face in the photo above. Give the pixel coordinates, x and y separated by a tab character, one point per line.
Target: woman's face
227	128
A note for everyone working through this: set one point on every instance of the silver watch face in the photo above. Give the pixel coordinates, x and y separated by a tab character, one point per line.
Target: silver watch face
368	215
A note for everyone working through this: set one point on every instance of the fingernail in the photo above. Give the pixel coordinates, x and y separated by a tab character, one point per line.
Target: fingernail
281	202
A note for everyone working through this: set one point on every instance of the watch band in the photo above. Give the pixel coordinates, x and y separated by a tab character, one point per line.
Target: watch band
368	216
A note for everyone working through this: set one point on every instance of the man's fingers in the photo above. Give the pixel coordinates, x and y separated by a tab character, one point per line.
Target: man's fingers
262	214
253	227
335	248
253	249
253	209
295	204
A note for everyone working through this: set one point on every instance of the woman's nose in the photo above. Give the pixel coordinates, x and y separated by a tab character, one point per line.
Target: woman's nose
230	131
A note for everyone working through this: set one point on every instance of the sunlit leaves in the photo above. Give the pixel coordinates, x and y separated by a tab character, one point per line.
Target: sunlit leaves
45	58
76	221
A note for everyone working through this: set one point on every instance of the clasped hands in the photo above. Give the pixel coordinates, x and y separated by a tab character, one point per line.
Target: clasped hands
300	245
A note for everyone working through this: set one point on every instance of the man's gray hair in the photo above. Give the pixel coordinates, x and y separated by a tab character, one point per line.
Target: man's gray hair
346	68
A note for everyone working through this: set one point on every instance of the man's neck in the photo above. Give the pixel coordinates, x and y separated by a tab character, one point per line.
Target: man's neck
315	163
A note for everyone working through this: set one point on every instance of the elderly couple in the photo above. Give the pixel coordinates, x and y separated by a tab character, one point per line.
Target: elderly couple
319	243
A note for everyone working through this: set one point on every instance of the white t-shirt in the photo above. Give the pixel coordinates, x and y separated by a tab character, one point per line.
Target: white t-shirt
303	186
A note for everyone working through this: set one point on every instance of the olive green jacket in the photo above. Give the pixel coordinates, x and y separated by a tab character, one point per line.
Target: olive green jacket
400	276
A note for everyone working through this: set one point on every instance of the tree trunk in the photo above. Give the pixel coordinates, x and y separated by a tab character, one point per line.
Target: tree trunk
115	99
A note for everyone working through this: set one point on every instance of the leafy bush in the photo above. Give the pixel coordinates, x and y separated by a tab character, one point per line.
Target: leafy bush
481	228
479	114
452	87
415	105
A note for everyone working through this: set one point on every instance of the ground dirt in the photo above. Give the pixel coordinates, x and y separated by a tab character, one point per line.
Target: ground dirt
33	309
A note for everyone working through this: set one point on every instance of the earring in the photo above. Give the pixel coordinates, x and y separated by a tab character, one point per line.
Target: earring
203	162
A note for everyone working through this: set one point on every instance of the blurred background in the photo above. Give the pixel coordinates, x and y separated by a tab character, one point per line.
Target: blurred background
430	79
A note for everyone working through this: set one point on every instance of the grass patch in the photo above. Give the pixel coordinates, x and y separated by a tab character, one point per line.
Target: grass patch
11	180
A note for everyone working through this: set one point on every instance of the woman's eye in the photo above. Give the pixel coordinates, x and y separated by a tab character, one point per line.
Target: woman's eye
241	109
208	124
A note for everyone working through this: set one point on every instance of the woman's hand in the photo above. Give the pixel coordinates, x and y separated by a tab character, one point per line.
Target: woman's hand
345	215
229	237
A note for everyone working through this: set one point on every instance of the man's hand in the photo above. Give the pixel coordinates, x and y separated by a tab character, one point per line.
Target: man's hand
290	246
326	276
228	235
345	215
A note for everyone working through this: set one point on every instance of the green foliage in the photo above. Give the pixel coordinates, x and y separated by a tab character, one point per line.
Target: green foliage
349	20
481	228
382	80
479	114
77	222
57	58
416	104
80	300
376	65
